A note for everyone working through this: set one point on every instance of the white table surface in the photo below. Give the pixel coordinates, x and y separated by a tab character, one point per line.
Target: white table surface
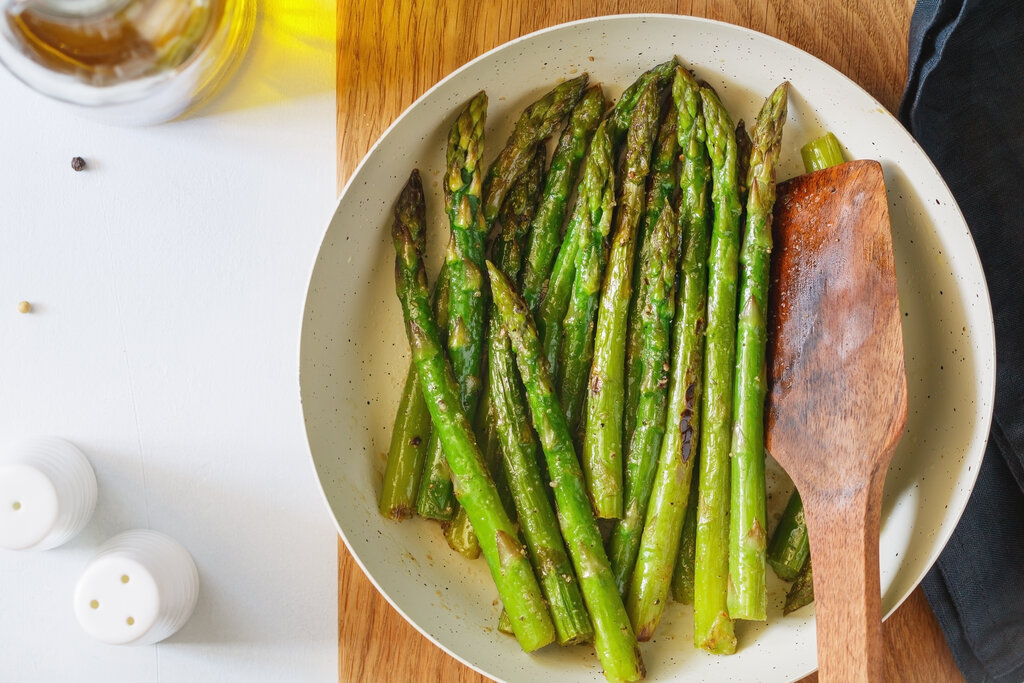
167	282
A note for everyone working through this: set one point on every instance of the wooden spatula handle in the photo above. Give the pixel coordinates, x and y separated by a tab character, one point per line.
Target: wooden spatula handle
847	594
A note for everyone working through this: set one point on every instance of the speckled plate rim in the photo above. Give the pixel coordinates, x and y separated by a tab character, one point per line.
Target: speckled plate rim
986	382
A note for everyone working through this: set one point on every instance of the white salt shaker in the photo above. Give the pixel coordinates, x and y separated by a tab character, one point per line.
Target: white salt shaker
47	493
140	588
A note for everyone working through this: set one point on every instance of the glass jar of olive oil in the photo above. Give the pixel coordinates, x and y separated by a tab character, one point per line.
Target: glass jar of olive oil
131	62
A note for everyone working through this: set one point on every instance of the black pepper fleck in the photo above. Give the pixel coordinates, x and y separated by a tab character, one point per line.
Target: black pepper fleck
78	163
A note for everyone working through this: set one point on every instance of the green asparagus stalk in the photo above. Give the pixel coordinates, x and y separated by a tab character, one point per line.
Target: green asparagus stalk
622	113
516	214
603	445
613	636
821	153
744	145
748	594
536	122
406	453
555	303
592	213
459	531
578	327
642	455
517	586
545	231
670	499
682	576
464	260
801	593
518	445
537	518
790	547
664	180
411	433
713	628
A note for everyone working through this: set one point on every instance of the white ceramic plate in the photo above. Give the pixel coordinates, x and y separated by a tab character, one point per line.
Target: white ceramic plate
354	353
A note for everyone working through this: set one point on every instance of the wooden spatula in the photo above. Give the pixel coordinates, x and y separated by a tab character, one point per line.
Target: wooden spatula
837	400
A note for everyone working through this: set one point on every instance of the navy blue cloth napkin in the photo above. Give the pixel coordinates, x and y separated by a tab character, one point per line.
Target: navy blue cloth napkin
965	105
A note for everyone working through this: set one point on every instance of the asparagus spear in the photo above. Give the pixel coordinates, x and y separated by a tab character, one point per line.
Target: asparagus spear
713	628
594	200
801	593
459	531
748	595
518	444
411	433
545	230
642	456
613	636
516	214
790	547
670	499
744	145
578	327
622	113
553	307
682	576
536	122
821	153
510	569
464	260
603	445
664	180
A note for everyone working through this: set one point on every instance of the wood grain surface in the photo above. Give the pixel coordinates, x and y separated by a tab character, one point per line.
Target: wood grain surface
391	51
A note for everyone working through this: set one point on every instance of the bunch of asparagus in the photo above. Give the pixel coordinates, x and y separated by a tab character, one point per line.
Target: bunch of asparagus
580	361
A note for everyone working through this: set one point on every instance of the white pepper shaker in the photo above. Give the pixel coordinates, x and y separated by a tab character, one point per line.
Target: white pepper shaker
139	589
47	493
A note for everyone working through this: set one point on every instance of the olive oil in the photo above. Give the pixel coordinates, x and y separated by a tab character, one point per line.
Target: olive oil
112	52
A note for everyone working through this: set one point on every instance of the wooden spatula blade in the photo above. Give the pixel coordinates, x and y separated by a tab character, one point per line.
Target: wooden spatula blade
835	319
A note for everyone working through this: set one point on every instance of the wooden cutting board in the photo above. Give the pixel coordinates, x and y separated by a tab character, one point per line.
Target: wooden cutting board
391	51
